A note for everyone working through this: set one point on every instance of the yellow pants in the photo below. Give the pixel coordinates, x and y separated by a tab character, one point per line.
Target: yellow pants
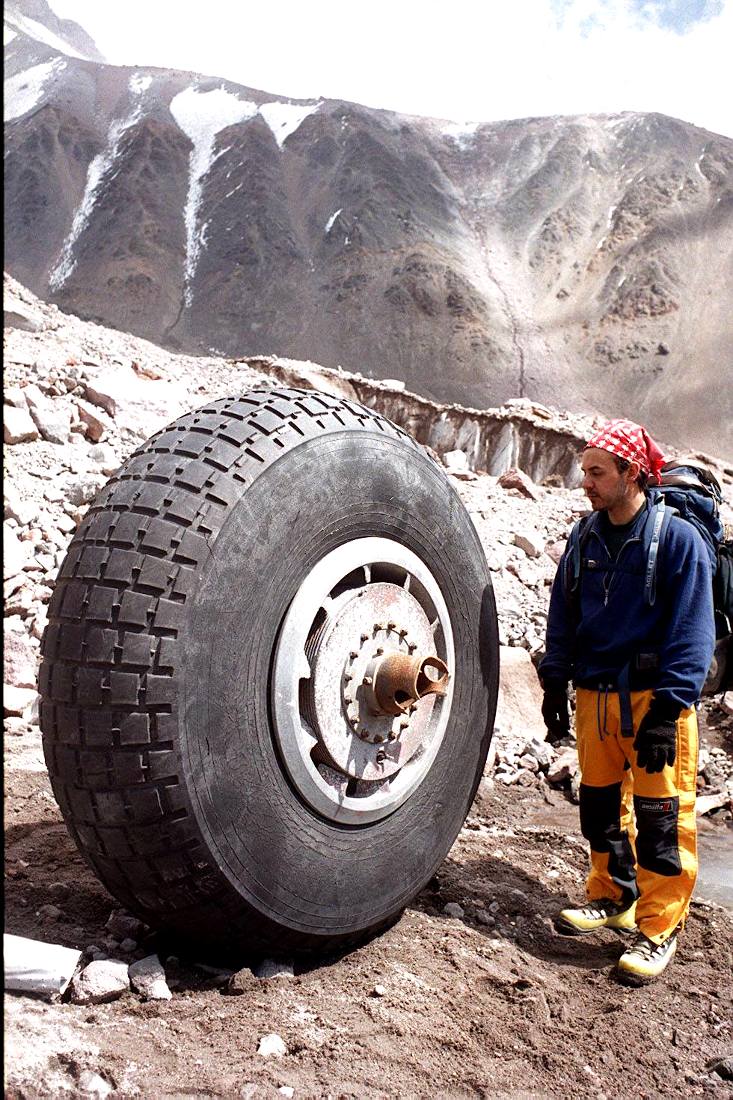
641	827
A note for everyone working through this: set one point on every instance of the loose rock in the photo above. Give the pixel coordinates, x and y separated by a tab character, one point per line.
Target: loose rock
19	660
517	479
101	981
124	925
18	426
272	1045
147	976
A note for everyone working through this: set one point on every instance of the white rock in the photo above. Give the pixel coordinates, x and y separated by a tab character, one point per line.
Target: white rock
23	509
105	456
91	1084
53	419
453	909
82	488
456	460
101	981
18	700
18	426
272	1045
540	750
65	523
287	1090
147	976
15	395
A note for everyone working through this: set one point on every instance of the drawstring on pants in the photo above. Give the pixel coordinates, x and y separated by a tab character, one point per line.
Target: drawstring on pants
602	729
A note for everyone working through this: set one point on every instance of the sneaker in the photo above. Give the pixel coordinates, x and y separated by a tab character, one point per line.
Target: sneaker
645	959
602	913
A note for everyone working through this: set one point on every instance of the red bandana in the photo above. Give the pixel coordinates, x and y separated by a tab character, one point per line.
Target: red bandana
629	441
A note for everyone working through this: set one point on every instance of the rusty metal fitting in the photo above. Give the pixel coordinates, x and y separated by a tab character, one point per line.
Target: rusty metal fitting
400	680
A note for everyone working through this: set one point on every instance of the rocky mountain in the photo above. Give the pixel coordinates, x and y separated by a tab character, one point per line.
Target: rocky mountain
583	261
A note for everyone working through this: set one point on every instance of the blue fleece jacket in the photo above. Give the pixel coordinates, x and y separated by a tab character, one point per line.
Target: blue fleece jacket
592	636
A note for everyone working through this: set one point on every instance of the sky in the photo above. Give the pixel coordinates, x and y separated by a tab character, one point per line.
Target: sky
463	60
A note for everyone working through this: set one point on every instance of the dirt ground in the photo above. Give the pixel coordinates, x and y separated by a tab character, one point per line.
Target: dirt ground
437	1006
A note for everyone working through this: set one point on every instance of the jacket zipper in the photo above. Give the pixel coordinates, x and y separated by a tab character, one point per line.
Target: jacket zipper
608	578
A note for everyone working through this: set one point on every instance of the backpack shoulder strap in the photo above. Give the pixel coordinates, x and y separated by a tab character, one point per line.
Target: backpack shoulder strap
576	541
653	534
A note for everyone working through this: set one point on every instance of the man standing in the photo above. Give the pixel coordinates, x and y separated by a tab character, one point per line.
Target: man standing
638	666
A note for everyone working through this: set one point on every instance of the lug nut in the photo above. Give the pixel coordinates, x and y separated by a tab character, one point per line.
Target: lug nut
380	651
391	625
379	739
367	680
364	637
381	757
353	655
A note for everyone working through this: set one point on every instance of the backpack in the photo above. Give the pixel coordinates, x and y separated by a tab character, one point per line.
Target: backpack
692	492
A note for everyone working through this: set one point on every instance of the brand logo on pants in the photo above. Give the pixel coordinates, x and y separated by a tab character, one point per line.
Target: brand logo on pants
656	805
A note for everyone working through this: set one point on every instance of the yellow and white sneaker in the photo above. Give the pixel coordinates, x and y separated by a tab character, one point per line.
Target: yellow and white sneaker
602	913
645	960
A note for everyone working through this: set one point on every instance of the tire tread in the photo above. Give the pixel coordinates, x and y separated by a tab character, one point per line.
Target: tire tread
110	651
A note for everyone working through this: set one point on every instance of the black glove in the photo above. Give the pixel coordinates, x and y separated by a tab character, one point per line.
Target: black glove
656	738
556	709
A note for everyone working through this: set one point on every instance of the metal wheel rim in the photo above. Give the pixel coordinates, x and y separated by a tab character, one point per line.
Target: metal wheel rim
320	785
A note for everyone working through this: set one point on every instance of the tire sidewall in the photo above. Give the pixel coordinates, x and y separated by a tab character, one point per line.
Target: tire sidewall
294	867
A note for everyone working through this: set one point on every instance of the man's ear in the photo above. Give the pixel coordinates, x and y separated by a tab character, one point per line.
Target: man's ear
633	471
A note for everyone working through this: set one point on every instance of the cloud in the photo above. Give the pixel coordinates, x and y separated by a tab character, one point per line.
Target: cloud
463	61
678	15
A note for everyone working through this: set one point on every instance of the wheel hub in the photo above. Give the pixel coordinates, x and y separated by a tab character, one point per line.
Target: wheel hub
378	620
361	693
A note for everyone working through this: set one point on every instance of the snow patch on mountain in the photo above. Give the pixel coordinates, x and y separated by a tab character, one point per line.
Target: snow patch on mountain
140	82
201	115
332	219
462	133
24	90
285	118
39	33
8	34
98	174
